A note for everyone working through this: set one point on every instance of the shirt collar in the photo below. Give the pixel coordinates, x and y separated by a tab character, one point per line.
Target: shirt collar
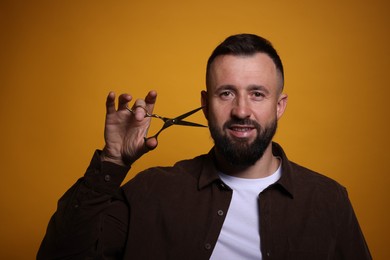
209	172
286	181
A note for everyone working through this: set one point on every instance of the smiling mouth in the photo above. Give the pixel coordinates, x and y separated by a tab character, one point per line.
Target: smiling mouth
241	129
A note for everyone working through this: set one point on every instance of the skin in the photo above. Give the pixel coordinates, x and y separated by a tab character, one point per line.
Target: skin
244	87
239	86
125	131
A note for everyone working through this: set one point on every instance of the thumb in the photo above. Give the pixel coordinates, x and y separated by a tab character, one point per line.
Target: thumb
151	143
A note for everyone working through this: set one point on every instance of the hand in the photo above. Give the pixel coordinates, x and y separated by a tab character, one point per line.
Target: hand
125	132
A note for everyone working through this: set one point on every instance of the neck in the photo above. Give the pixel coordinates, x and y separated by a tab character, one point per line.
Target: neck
263	167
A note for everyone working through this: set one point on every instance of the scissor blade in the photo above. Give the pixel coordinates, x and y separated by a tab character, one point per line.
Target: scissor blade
187	114
186	123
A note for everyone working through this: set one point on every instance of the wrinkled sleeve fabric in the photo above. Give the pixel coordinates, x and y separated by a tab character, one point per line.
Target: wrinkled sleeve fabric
351	243
91	218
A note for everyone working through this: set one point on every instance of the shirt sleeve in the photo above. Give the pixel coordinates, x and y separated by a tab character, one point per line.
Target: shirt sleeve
91	217
350	241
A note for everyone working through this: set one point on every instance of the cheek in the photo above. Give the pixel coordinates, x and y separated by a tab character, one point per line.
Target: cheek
213	109
216	119
265	116
219	113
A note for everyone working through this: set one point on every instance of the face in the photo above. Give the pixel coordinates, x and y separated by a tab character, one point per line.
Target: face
242	105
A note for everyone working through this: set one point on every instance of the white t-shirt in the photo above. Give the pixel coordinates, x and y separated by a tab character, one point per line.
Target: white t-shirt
240	234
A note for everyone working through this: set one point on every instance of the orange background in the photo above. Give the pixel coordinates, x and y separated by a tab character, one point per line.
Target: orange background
59	59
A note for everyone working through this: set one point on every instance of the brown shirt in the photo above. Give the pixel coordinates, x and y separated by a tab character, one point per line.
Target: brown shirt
178	212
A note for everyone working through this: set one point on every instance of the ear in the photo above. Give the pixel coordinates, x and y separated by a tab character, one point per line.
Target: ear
281	106
204	101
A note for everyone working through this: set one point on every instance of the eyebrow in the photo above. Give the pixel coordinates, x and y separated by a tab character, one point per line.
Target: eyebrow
258	87
250	87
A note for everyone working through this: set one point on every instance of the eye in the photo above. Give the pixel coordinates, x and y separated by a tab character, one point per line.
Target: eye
226	94
258	95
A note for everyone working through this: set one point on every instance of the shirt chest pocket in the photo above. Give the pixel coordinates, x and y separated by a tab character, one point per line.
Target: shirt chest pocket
310	247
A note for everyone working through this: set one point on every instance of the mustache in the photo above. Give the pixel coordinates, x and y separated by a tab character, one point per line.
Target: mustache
237	121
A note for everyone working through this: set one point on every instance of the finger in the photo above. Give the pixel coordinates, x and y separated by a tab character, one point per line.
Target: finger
151	143
139	109
123	100
110	103
150	100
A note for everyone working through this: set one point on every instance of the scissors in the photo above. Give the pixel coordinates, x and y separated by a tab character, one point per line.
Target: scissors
170	121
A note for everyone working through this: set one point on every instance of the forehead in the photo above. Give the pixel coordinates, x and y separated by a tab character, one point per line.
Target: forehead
257	69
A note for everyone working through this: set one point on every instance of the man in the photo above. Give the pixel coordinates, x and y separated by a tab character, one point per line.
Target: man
242	200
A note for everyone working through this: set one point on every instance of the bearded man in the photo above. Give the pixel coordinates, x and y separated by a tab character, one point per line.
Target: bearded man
242	200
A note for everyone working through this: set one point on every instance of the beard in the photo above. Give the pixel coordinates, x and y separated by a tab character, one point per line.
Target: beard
241	152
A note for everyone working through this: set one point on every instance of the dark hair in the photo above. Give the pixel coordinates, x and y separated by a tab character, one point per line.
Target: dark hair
246	45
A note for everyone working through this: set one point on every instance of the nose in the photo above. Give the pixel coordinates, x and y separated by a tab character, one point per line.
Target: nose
241	108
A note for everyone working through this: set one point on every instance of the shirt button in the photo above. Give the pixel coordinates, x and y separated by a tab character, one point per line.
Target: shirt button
107	178
220	212
207	246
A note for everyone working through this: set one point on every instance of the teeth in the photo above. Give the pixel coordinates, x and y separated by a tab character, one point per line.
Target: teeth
241	129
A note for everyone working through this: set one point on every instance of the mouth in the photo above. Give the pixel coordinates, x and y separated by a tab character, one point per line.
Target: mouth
242	131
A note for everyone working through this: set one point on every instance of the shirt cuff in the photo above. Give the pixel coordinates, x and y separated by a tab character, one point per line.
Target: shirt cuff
104	176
